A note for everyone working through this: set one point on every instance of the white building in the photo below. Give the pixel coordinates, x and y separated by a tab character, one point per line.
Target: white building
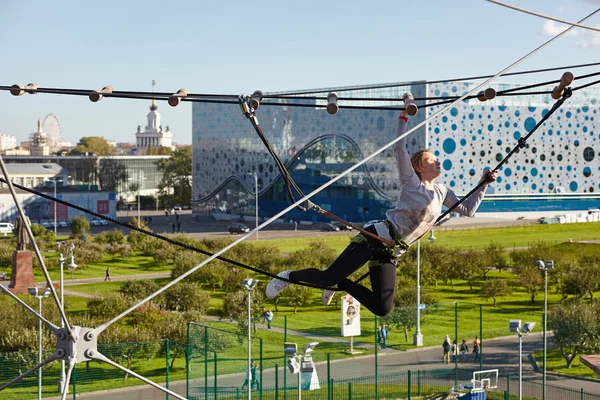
153	135
7	142
40	142
36	175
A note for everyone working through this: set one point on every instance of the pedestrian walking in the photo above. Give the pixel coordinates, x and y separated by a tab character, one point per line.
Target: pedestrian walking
476	347
446	345
166	213
379	339
464	349
454	351
384	335
107	277
269	316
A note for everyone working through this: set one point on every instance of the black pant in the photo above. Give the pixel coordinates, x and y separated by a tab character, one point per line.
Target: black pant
383	278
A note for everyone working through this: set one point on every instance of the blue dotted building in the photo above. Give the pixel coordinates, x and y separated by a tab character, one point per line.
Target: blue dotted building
558	169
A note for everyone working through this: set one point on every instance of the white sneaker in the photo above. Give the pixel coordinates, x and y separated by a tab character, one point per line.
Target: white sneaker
327	295
277	285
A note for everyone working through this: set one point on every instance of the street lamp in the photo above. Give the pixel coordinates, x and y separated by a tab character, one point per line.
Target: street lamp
515	326
418	337
249	284
545	267
139	186
39	294
255	200
299	363
55	181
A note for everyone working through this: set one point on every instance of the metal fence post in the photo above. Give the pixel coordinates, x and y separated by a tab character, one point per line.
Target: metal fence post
409	382
276	382
419	383
581	393
455	343
349	390
260	384
332	388
205	362
481	337
328	376
167	349
508	383
187	361
284	359
215	376
376	361
74	382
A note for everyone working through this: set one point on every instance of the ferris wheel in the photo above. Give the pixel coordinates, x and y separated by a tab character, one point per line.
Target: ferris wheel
51	127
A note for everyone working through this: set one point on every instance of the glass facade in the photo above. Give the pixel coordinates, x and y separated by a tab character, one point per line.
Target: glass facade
561	157
142	170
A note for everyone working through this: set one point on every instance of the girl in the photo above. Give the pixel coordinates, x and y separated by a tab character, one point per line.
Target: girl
418	206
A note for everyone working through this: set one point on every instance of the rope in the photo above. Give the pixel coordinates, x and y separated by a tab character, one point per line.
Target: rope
471	78
231	99
562	21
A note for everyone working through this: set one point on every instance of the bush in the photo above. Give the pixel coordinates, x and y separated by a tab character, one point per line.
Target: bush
80	227
108	305
138	290
187	296
112	237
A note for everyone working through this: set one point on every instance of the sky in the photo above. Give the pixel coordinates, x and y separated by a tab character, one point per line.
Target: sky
234	47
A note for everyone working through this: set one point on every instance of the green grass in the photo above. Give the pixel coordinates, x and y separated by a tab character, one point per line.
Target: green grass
134	265
555	362
509	237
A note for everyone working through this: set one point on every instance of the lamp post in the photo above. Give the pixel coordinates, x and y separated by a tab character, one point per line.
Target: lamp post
255	200
55	180
249	284
39	294
515	326
418	337
545	267
72	267
299	363
139	186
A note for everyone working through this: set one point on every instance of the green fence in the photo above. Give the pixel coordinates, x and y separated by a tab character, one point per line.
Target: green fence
214	360
160	361
403	385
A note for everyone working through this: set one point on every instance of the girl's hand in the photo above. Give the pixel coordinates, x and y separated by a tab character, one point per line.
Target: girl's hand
489	176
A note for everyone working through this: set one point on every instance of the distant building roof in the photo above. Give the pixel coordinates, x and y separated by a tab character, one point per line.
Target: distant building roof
34	169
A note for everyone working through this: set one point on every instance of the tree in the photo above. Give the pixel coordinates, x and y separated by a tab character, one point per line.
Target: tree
175	185
496	257
404	313
581	280
80	227
187	296
576	329
139	289
495	288
472	267
93	144
532	280
112	174
297	296
159	151
235	305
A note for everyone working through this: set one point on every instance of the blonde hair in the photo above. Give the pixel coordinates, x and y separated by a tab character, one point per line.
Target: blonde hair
417	159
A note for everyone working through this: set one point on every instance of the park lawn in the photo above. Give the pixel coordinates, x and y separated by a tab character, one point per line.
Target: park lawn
134	265
555	362
509	237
